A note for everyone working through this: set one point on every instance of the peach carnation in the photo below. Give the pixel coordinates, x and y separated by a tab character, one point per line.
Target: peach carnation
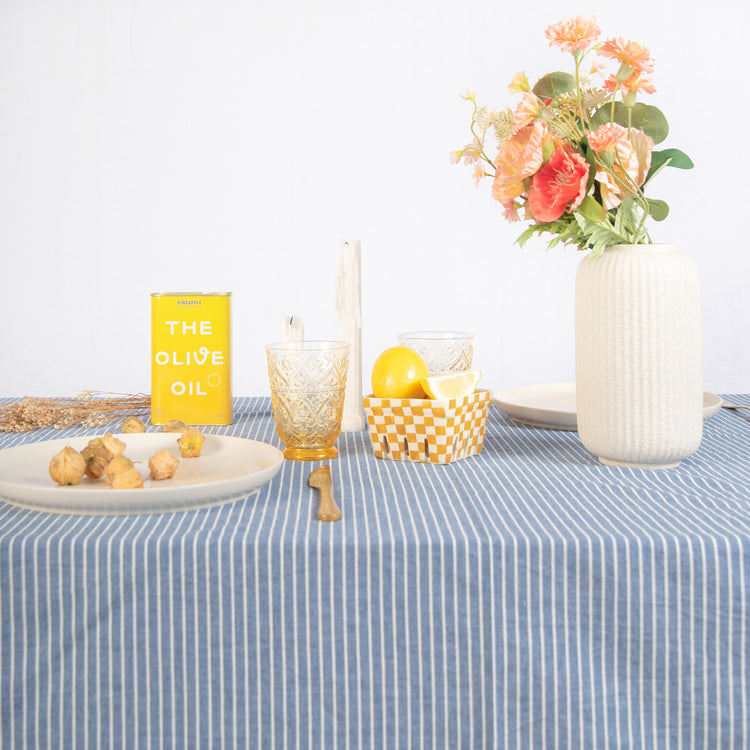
635	82
629	53
607	136
559	185
573	33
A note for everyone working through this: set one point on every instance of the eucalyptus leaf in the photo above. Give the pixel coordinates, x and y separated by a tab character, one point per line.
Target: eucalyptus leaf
644	117
678	159
602	116
651	121
554	84
658	210
671	157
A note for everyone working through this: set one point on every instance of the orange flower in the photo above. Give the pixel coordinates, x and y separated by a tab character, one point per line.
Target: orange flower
607	136
517	160
630	166
510	211
636	82
559	185
573	33
629	53
526	111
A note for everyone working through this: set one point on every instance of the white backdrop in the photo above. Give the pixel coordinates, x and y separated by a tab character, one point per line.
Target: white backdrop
199	145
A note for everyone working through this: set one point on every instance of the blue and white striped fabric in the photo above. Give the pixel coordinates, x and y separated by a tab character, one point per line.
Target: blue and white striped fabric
527	597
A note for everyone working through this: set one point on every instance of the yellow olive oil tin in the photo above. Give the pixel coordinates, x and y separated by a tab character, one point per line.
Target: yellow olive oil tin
190	358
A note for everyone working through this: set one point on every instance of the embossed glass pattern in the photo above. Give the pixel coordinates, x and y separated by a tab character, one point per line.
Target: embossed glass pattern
308	384
443	351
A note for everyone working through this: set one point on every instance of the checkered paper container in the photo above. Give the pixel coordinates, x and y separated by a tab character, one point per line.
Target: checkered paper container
425	430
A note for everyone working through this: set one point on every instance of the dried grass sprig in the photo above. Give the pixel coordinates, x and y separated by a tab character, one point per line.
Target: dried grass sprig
88	408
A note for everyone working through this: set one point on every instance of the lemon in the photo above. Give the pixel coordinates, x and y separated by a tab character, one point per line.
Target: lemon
398	372
453	385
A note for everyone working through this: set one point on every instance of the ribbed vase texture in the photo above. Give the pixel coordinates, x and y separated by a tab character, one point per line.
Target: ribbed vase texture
639	380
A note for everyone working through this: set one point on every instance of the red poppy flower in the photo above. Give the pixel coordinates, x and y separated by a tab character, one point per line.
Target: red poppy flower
559	185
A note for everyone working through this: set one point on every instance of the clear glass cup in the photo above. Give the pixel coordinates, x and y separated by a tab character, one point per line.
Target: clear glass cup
443	351
308	383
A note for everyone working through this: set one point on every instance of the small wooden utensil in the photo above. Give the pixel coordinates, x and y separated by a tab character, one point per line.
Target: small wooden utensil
321	479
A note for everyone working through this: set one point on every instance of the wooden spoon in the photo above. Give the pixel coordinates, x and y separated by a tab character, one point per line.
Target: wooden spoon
727	405
321	479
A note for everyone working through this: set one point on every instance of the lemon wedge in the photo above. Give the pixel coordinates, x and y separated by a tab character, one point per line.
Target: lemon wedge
453	385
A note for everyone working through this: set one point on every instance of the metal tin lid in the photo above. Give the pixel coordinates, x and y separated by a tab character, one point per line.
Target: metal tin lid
191	294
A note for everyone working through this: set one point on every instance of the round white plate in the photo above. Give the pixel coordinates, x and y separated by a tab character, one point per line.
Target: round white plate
553	405
227	469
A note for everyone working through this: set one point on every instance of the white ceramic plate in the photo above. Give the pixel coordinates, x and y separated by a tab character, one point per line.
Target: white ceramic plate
553	405
227	469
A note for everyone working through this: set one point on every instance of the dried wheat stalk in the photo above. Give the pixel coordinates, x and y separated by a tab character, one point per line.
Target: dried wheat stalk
88	408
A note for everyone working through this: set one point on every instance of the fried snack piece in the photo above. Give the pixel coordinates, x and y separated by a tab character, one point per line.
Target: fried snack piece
114	445
129	479
97	456
133	424
116	466
191	443
67	466
174	425
163	465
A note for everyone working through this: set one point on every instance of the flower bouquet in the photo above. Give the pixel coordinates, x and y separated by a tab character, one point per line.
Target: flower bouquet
577	152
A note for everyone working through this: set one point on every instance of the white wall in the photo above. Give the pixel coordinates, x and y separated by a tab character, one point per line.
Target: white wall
161	145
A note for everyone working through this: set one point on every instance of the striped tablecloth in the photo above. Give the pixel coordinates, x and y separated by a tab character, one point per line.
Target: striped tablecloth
527	597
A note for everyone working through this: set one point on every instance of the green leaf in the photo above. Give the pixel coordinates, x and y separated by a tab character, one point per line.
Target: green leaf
644	117
548	148
526	235
658	210
675	157
650	120
607	158
599	237
553	84
600	117
590	157
592	210
624	219
671	157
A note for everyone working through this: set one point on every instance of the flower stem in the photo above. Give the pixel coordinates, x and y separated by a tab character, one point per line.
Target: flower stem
579	101
479	140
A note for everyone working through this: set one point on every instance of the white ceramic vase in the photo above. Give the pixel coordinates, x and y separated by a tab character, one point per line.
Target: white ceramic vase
639	379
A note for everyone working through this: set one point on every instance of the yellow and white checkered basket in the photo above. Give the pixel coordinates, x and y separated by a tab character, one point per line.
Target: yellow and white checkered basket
425	430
